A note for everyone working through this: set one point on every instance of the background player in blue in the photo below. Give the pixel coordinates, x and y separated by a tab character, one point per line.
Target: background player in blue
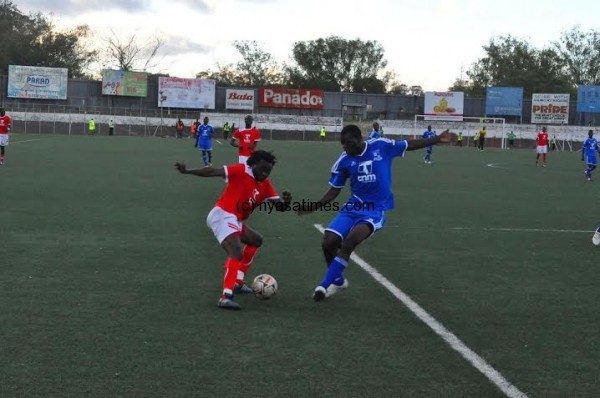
375	132
589	152
429	148
204	141
368	166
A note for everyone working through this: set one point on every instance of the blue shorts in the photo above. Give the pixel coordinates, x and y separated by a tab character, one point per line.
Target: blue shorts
347	219
205	146
592	160
429	149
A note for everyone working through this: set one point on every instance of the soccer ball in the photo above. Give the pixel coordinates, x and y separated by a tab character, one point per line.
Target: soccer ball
264	286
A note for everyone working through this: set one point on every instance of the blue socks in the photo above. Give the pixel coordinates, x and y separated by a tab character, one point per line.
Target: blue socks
334	272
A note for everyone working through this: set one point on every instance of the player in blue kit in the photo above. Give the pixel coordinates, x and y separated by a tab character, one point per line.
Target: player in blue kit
368	166
204	135
375	132
429	148
589	153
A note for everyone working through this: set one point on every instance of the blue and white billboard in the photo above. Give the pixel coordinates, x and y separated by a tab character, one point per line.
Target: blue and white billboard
588	99
37	82
504	101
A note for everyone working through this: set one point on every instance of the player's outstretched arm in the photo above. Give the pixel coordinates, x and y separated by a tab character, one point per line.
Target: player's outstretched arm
283	203
444	137
203	172
310	207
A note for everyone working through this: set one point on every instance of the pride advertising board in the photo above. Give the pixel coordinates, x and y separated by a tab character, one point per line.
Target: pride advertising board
290	98
239	99
176	92
37	82
124	83
444	105
550	108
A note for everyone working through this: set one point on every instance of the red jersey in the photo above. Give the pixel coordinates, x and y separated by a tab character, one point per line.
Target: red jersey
246	138
4	123
542	139
243	192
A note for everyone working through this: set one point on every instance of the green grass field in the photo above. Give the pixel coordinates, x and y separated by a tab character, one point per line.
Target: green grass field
109	278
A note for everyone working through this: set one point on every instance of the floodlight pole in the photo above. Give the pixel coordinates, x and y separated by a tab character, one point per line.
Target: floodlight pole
163	98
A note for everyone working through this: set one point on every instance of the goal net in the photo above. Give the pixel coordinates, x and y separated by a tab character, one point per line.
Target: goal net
469	127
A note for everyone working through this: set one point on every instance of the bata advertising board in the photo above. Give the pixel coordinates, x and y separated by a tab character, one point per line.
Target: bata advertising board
444	105
550	108
239	99
290	98
126	83
37	82
176	92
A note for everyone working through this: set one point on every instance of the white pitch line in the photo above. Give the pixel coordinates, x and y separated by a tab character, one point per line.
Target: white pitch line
478	362
498	229
220	143
35	139
495	165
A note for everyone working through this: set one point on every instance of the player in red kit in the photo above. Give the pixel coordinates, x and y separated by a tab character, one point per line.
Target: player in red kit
5	123
247	186
542	147
246	139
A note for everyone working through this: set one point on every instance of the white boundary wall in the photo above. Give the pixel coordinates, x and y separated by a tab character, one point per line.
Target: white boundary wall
313	123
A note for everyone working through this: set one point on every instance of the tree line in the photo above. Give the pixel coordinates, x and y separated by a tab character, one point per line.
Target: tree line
331	64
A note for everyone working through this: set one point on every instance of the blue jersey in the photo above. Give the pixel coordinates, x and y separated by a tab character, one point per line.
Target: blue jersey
429	134
590	150
204	133
374	134
590	147
370	173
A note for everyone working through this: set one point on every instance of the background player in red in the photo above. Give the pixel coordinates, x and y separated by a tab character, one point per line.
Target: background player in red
5	123
246	139
542	146
247	186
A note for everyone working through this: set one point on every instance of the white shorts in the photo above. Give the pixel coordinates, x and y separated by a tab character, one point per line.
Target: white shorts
542	149
243	159
223	223
3	139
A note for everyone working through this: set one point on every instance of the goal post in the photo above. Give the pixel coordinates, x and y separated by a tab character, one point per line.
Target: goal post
469	126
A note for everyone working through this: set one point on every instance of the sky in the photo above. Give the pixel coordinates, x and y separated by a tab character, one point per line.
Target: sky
426	42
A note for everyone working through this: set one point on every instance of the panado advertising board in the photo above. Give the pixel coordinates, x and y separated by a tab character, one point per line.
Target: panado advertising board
290	98
550	108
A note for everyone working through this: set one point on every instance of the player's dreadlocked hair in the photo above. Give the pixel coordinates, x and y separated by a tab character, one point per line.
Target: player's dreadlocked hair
352	130
261	155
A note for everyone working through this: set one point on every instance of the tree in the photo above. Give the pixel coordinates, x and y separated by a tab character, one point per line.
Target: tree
337	64
580	52
129	53
33	40
256	68
513	62
415	90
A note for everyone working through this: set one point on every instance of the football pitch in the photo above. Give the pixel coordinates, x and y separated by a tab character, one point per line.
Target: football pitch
109	278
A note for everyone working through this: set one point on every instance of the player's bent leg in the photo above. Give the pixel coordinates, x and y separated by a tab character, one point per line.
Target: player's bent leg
331	244
340	226
250	236
357	235
253	241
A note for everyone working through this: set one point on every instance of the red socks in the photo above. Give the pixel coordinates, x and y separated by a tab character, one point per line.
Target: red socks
231	269
247	258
